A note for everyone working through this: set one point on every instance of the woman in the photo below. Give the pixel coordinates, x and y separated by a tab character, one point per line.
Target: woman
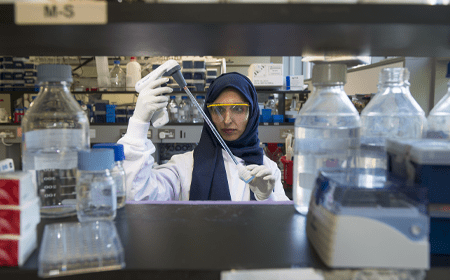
208	172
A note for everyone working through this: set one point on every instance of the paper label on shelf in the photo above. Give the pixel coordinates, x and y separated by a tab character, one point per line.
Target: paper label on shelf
52	13
91	133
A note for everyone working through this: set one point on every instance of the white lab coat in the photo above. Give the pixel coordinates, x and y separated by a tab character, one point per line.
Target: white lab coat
172	180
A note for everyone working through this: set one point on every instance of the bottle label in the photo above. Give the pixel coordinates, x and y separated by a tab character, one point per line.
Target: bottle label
54	138
181	113
174	110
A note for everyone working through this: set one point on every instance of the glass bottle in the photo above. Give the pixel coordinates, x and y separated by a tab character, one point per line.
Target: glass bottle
172	108
96	188
196	115
270	104
392	113
326	131
117	172
55	128
184	110
117	77
439	117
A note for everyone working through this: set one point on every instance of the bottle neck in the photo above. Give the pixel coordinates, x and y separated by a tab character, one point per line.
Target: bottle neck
62	84
334	88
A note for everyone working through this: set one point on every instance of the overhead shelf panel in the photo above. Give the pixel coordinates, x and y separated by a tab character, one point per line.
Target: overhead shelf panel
240	30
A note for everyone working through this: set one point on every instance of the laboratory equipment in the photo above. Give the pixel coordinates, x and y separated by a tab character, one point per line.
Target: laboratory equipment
133	74
117	77
326	131
356	220
103	81
175	72
439	117
420	168
117	172
96	188
55	128
172	108
76	248
184	112
196	116
392	113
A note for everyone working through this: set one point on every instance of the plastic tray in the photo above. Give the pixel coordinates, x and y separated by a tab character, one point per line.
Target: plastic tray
75	248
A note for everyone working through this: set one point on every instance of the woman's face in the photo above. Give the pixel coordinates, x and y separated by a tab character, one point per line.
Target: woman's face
230	119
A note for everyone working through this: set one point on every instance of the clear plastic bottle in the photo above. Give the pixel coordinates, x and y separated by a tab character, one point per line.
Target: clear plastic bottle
392	113
196	115
270	104
172	108
55	128
96	188
133	73
185	110
117	172
439	117
326	131
117	77
293	103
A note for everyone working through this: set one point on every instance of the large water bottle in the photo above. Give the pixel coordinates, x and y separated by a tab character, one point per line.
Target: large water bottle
133	74
326	131
117	77
185	110
392	113
55	128
196	115
439	117
172	108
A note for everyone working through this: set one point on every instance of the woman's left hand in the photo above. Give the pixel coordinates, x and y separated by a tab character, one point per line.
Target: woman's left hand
263	183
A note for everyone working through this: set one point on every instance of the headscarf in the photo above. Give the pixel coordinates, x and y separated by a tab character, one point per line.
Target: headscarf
209	179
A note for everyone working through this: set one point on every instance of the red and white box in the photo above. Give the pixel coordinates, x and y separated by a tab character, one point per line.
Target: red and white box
19	220
15	249
16	188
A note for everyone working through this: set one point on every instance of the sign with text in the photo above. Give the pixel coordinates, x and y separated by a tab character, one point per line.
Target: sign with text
61	13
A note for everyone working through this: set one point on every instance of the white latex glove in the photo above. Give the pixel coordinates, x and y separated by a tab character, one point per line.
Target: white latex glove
264	182
150	97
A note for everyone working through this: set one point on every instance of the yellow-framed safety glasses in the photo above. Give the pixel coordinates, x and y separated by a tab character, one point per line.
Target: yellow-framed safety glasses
236	112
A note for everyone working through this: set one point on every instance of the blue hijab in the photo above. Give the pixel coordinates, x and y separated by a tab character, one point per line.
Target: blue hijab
209	178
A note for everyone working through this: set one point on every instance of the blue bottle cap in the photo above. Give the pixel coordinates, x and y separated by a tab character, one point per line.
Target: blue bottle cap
95	159
116	61
184	97
172	97
119	154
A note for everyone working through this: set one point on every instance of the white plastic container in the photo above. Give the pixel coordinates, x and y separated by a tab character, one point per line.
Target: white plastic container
133	73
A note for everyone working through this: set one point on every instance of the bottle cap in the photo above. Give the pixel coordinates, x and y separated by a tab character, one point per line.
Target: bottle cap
116	61
329	73
54	73
133	58
184	97
173	97
95	159
117	148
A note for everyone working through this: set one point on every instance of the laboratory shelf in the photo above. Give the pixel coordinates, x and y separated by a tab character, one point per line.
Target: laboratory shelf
148	29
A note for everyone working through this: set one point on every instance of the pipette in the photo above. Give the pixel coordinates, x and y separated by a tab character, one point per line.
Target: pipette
175	72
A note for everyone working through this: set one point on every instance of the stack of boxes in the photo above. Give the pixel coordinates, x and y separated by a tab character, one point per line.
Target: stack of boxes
100	111
17	74
19	217
194	72
110	113
121	115
211	75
